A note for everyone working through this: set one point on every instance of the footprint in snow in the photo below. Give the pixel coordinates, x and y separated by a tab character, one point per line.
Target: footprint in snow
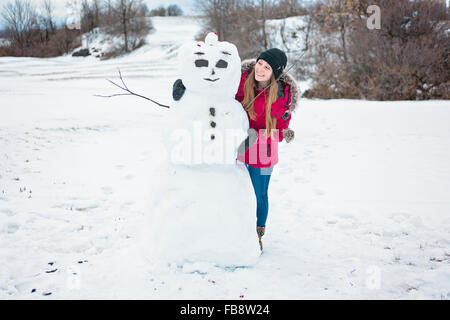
319	192
107	190
11	228
8	212
300	179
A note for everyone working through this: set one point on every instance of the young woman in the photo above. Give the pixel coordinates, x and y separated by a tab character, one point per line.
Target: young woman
269	116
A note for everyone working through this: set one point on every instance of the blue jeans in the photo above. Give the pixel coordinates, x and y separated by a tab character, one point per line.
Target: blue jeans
260	179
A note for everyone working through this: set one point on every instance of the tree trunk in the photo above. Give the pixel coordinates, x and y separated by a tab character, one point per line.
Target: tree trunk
263	18
344	48
124	24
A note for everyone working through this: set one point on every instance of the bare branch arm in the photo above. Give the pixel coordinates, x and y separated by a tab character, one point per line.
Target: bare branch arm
130	93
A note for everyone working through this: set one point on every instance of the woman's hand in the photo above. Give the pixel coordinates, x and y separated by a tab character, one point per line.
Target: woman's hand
248	142
288	134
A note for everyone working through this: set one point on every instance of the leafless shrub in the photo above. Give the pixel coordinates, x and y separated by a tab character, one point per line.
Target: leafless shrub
159	12
237	21
128	20
285	8
406	59
174	10
33	33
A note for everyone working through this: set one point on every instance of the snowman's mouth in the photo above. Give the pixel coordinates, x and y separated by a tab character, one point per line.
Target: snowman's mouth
212	80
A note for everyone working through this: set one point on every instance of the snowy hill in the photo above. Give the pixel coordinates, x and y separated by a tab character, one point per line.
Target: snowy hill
358	204
166	36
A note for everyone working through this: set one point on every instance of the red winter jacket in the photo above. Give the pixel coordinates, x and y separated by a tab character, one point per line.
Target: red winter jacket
264	153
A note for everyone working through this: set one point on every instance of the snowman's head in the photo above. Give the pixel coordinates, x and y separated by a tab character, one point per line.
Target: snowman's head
210	67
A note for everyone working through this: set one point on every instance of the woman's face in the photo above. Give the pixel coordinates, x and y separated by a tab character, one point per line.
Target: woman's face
263	71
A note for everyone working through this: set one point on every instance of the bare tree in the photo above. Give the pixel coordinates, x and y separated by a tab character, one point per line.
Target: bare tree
263	23
237	21
88	21
339	15
245	22
292	7
130	22
221	15
47	16
174	10
123	10
106	13
286	8
96	7
21	20
160	12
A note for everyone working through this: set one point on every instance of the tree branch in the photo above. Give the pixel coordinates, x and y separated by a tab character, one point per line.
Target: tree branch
130	93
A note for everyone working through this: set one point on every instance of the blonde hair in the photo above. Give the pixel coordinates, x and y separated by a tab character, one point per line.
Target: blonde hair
249	104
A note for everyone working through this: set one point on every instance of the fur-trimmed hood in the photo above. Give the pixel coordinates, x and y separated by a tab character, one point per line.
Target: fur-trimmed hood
286	78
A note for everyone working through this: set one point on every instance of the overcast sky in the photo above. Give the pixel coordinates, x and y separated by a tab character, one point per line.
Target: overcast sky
61	11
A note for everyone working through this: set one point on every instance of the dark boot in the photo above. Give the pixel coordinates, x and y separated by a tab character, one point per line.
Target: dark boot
260	231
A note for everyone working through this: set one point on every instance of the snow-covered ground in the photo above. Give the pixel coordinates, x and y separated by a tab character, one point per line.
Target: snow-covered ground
359	202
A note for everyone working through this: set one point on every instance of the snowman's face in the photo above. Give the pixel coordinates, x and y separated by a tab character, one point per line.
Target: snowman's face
210	67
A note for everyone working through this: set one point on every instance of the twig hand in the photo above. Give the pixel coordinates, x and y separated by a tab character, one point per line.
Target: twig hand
130	93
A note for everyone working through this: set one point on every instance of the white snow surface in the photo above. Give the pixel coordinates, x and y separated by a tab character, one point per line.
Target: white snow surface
359	204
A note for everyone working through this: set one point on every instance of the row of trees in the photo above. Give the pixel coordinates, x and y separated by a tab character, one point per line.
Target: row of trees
331	43
243	22
30	32
407	58
171	11
33	31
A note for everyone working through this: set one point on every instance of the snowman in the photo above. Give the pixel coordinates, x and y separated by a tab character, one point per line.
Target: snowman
202	207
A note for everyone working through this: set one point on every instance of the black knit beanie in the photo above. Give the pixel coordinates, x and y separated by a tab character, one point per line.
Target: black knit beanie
276	59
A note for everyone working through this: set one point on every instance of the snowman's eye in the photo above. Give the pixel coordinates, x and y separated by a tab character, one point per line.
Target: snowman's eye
201	63
221	64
